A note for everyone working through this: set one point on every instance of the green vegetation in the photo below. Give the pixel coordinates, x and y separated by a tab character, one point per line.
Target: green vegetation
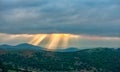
88	60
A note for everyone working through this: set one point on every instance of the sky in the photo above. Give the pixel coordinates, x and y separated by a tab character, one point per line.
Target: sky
21	19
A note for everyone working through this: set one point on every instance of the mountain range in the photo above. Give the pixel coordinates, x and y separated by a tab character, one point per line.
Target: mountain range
25	46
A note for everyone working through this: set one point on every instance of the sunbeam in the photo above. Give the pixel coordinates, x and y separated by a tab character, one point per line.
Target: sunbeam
34	39
65	42
53	40
38	39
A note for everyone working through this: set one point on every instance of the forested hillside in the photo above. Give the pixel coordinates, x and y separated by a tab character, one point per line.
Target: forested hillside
87	60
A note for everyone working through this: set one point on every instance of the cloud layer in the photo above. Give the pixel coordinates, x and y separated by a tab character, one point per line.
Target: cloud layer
90	17
79	41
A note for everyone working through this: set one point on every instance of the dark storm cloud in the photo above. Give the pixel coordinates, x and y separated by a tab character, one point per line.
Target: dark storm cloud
90	17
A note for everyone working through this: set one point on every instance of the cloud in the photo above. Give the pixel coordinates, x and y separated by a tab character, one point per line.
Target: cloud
14	38
89	17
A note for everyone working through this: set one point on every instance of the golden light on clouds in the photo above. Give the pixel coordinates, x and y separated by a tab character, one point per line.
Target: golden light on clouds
53	40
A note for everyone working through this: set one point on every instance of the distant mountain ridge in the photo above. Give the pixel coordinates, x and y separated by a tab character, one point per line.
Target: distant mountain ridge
24	46
20	47
71	49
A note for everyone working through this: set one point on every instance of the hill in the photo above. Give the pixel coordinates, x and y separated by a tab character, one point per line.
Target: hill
86	60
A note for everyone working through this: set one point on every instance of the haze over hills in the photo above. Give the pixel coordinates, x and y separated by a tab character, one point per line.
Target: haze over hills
27	46
20	47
